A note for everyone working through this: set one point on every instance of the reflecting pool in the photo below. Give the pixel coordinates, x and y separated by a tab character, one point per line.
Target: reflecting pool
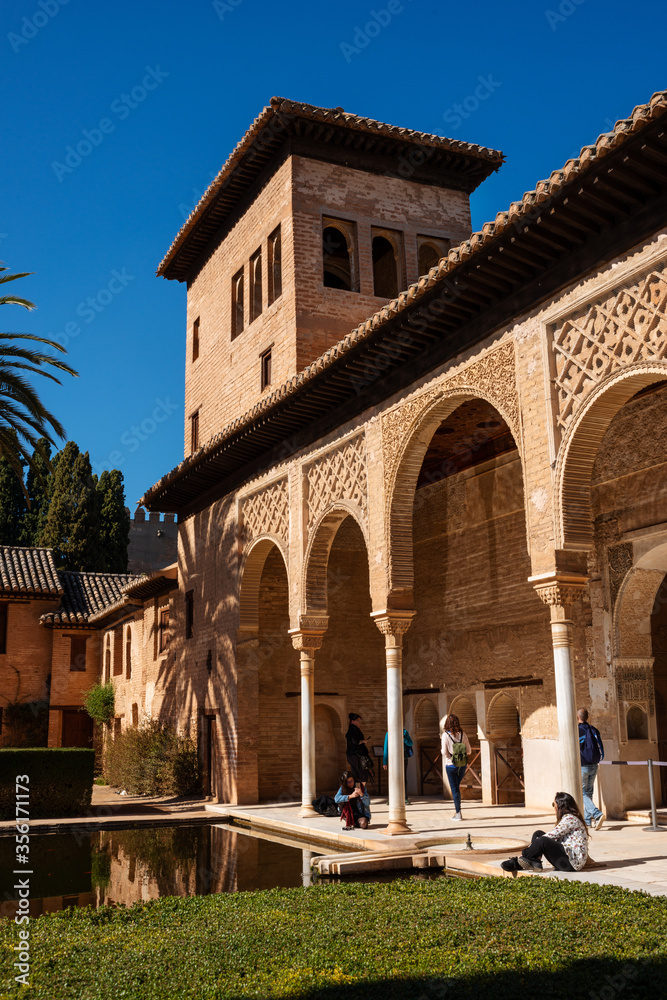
134	865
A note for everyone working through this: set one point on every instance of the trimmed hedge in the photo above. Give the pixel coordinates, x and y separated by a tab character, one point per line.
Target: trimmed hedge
450	939
61	781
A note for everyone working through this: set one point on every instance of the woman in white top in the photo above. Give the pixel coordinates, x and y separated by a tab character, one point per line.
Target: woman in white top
455	753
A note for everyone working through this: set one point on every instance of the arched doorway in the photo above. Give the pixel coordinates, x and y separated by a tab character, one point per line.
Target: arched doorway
426	742
329	750
504	731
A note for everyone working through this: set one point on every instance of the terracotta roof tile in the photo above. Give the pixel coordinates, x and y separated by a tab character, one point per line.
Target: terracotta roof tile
86	595
28	571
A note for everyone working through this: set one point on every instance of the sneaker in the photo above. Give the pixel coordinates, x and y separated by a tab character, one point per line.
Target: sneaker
511	865
529	864
456	818
408	802
597	823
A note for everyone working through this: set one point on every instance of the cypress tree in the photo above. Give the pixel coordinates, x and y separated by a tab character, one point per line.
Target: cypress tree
39	484
73	524
114	522
12	505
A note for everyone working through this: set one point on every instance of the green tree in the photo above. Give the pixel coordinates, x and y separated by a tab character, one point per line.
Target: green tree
23	417
114	522
39	486
12	505
72	527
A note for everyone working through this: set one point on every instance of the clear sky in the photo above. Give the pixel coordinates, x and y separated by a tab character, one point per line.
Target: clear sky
159	93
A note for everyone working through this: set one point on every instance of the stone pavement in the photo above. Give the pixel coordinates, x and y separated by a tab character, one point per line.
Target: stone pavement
625	854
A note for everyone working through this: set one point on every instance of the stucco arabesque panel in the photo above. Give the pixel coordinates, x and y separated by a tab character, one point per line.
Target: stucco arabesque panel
628	326
492	377
266	513
340	474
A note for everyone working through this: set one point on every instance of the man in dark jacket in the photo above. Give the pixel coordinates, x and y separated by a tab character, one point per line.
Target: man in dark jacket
592	752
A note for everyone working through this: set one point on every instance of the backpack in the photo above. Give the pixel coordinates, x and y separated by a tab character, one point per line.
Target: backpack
589	745
459	752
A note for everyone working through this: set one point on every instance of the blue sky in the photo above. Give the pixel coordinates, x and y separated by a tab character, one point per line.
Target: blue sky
162	91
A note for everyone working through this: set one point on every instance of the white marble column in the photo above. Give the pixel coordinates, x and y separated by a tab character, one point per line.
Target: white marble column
306	641
559	592
393	625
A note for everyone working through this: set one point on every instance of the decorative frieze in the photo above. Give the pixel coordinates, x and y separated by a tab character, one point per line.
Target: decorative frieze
629	326
266	513
493	377
340	474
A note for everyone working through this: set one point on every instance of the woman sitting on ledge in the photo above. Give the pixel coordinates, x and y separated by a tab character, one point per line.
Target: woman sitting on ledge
565	847
353	802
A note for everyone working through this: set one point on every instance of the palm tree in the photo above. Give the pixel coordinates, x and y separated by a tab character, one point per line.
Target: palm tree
23	417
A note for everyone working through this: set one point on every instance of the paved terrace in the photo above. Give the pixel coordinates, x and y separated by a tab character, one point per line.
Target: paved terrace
625	854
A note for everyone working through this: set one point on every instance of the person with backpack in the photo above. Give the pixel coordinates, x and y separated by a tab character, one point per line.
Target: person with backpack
455	753
591	751
407	754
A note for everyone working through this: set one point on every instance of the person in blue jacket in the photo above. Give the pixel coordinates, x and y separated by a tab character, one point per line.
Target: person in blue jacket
407	754
591	751
353	802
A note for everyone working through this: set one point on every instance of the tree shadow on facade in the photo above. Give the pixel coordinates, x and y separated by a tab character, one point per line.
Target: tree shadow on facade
588	979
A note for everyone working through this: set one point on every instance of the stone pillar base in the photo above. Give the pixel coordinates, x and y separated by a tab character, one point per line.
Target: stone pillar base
396	828
307	812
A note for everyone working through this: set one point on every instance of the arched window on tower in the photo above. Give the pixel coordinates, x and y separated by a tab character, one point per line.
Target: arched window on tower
107	660
430	250
388	269
339	255
255	285
128	652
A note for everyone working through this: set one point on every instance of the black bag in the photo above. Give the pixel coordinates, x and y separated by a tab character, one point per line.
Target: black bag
366	763
325	805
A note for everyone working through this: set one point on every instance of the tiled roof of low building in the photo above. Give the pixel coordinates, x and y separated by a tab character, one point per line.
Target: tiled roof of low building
458	164
152	584
85	596
484	267
30	572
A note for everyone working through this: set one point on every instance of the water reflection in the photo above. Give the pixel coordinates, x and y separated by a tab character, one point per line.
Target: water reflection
139	864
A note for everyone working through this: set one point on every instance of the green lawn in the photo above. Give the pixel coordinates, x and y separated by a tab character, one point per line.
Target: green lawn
451	938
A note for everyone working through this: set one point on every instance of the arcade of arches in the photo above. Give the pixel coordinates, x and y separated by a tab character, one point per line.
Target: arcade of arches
461	613
479	528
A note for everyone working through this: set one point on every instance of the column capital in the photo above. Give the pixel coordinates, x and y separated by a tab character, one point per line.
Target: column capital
559	591
393	625
310	632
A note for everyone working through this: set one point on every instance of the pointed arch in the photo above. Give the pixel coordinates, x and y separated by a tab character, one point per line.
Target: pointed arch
317	553
402	488
254	558
579	448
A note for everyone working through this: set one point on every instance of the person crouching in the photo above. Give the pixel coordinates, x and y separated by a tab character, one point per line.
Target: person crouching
353	802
